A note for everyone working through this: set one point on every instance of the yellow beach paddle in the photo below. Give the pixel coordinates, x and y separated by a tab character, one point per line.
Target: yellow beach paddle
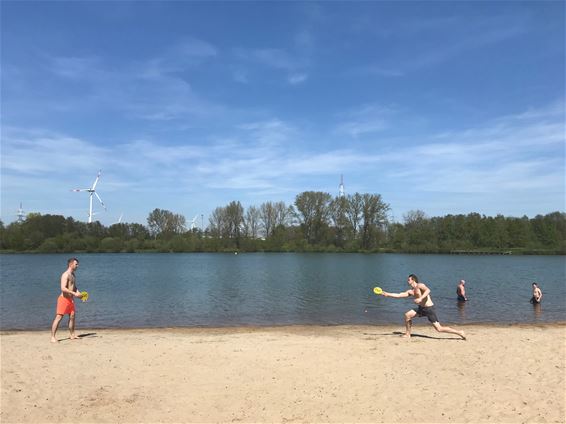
378	291
84	296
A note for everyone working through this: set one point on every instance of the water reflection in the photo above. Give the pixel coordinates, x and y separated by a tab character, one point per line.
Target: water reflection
537	310
462	309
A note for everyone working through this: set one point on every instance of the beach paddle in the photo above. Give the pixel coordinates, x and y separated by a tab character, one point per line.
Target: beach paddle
84	296
378	291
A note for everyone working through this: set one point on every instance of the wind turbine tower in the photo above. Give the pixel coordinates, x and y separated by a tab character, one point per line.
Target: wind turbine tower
21	214
341	186
92	191
194	223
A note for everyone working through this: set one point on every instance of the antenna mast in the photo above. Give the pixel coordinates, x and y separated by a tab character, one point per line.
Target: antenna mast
21	214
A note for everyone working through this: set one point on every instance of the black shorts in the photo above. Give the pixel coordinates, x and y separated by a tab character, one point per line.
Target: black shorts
427	311
534	301
461	298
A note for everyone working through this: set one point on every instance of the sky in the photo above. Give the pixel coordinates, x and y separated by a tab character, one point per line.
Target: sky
448	107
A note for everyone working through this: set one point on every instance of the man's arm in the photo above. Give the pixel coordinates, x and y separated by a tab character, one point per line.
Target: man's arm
398	295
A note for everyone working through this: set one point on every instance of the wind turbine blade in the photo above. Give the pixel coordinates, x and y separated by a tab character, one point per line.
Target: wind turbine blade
99	199
96	181
80	189
120	219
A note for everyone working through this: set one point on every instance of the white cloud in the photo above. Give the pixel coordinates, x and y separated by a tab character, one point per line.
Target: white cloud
295	79
293	65
77	68
367	119
518	154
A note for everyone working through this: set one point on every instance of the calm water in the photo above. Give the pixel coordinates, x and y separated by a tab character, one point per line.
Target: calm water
161	290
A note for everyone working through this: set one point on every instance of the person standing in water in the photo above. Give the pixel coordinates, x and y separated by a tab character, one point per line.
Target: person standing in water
65	302
461	291
425	307
537	294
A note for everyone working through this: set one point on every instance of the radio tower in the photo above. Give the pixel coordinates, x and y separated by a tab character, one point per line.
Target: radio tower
341	186
21	214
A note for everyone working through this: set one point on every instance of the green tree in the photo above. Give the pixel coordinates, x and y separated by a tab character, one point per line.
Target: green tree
354	209
267	217
313	213
339	218
252	222
374	215
165	224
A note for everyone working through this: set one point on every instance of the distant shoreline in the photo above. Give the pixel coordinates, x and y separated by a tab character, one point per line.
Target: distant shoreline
507	252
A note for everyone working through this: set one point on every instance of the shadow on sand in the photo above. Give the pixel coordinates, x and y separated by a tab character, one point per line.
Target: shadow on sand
423	336
81	336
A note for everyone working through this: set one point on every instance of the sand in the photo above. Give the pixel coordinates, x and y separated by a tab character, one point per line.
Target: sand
509	374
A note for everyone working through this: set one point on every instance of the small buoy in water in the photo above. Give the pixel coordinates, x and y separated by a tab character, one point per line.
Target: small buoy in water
366	310
235	253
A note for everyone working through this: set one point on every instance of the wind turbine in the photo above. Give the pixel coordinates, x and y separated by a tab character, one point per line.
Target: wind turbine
92	191
194	222
119	219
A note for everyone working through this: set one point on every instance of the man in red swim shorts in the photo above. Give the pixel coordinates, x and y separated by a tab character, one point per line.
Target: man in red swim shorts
65	303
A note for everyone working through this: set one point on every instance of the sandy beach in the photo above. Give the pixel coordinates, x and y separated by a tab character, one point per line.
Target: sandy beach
511	374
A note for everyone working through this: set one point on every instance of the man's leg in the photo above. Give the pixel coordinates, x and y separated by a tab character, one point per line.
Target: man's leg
409	315
54	327
445	329
72	326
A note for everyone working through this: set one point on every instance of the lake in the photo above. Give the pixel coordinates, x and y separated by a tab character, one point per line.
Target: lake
212	289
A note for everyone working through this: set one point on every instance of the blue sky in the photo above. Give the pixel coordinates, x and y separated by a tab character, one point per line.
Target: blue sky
446	107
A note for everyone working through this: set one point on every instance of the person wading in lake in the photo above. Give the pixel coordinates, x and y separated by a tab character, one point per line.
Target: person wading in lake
425	308
537	294
461	291
65	303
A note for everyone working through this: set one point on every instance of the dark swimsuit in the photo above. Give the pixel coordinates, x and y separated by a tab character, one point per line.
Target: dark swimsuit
427	311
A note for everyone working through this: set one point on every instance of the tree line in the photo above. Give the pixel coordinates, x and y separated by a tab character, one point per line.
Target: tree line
315	222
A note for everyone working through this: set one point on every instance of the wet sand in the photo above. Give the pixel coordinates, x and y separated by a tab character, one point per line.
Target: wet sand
511	374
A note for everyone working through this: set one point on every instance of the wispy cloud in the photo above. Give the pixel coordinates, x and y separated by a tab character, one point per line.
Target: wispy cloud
185	54
454	35
293	65
295	79
511	154
75	68
367	119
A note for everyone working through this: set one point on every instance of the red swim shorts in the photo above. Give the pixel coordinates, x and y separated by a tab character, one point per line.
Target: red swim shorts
65	306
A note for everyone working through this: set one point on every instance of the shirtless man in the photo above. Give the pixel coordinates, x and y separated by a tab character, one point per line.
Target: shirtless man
421	293
537	294
65	303
461	291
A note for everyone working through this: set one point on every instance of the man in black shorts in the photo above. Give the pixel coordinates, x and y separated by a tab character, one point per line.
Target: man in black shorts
425	308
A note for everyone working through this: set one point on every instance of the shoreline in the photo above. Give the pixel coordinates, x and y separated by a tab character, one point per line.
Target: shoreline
346	373
255	327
